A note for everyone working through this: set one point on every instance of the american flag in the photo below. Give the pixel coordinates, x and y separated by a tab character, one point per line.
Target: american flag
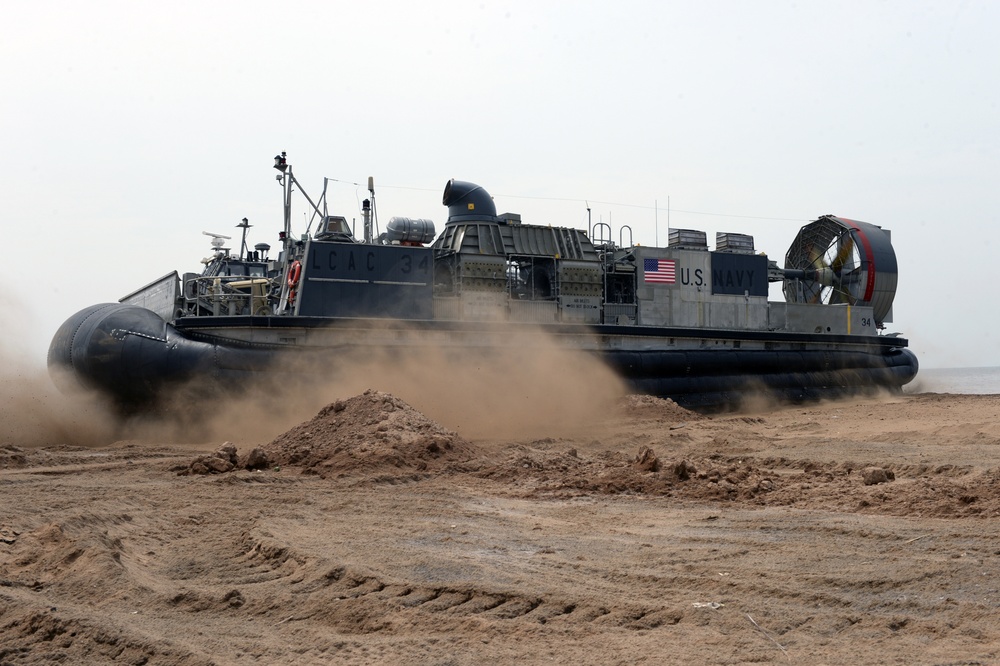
659	270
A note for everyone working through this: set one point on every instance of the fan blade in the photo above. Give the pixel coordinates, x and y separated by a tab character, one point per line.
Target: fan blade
843	252
815	256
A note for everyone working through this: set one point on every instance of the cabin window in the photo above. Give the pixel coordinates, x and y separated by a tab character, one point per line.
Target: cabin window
337	225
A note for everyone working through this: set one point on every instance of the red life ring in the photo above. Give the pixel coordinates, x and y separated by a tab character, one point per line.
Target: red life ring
294	273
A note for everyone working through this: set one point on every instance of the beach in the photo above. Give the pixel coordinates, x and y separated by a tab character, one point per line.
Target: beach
844	532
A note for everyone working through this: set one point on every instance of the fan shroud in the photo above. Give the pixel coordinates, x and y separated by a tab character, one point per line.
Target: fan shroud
836	260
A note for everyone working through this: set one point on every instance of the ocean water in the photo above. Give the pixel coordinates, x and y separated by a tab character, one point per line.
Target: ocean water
956	380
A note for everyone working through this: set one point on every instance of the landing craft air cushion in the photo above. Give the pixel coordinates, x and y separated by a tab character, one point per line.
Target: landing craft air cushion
680	321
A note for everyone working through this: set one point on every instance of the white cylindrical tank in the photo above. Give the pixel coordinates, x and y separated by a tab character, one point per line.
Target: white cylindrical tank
408	229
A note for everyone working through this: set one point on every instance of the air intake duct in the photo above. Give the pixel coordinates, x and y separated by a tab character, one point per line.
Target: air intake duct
468	202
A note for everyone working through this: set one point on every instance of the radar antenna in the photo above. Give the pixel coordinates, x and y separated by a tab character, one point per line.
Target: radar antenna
218	240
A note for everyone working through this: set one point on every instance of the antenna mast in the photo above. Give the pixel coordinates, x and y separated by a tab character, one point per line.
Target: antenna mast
368	210
285	178
245	224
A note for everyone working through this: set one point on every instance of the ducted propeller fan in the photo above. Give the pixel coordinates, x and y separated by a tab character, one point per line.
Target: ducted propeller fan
835	260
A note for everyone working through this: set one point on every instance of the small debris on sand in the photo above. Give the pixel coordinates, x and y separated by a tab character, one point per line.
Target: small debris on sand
647	460
257	459
875	475
222	461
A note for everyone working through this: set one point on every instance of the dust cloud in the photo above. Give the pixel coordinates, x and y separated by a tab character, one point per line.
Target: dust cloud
512	387
918	385
505	387
529	384
32	411
756	399
521	386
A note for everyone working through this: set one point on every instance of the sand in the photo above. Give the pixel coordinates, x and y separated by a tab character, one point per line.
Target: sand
850	532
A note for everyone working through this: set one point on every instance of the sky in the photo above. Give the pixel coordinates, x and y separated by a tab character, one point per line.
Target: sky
129	128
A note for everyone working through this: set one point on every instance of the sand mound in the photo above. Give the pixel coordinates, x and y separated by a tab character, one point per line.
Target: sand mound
648	406
374	431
